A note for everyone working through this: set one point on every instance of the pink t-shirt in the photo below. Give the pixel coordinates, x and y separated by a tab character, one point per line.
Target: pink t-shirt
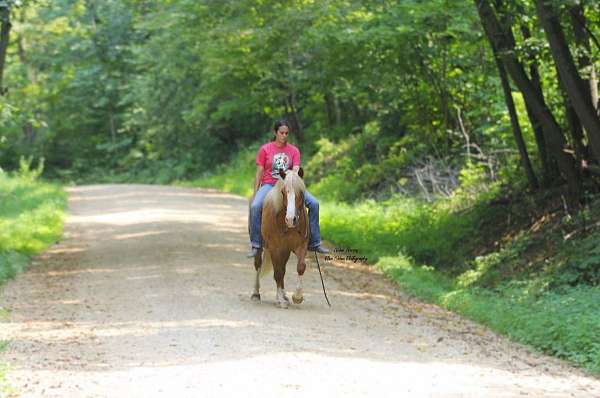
273	158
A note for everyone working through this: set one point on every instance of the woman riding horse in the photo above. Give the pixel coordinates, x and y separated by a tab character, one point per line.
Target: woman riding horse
271	158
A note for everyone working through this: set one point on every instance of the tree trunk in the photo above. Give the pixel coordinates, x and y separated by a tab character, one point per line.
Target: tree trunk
574	124
294	117
113	129
338	112
552	131
582	38
296	126
4	39
329	109
594	89
29	133
567	70
548	166
514	121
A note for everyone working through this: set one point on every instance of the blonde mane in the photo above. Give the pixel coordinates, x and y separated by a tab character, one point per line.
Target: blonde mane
292	181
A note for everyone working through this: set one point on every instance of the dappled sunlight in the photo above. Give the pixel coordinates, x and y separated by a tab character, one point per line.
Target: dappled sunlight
140	193
360	295
232	246
100	270
64	250
137	278
147	215
248	265
158	294
138	235
300	373
65	302
61	330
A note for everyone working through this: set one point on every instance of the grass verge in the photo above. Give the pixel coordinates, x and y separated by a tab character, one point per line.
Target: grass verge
235	177
502	289
31	219
565	324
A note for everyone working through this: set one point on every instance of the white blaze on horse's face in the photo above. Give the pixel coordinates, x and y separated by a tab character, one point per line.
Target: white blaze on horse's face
290	212
291	219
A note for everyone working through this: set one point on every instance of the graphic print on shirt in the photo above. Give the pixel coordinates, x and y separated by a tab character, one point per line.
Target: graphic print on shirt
281	160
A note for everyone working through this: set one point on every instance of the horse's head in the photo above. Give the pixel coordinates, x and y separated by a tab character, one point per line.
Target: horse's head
293	196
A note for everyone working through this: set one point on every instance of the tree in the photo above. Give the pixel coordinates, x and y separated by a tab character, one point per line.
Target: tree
500	37
5	26
574	86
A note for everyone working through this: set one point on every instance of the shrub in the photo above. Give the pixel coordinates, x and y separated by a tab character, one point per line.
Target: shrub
31	215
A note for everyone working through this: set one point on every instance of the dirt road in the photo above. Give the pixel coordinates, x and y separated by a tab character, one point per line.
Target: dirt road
148	295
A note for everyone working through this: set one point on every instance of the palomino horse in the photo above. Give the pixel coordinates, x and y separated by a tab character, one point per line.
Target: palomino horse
284	229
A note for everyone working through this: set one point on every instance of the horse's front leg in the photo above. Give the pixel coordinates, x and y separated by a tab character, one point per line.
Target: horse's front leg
279	262
298	295
257	266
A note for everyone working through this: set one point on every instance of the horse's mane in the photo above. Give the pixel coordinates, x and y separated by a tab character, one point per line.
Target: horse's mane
275	198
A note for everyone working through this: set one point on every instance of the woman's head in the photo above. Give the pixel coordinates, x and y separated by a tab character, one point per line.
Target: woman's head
281	129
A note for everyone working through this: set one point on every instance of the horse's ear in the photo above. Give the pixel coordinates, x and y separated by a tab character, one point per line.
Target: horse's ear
282	174
301	172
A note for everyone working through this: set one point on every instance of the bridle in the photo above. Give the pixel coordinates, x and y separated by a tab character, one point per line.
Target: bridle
304	215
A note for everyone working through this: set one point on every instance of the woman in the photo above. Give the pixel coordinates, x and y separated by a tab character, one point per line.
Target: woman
275	155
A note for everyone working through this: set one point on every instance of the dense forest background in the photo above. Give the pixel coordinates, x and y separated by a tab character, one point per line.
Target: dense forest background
410	90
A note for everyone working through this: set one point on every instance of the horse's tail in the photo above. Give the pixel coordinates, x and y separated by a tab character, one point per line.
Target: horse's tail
267	264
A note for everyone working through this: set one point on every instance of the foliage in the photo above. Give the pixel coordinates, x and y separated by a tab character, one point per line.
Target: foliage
396	106
236	176
513	290
127	89
560	324
581	263
5	388
26	172
31	216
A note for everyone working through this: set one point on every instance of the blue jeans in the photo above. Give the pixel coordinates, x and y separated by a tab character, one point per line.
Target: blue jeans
256	214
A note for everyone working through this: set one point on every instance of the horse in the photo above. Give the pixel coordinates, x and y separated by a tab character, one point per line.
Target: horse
284	229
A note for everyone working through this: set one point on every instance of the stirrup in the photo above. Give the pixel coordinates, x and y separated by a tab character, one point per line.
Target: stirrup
319	249
253	253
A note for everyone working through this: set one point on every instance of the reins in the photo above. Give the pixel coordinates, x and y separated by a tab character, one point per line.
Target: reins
306	222
322	282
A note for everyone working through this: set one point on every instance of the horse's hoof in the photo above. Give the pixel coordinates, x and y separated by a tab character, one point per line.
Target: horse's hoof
297	300
255	297
284	304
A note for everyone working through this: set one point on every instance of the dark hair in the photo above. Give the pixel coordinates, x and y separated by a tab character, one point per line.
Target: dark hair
279	123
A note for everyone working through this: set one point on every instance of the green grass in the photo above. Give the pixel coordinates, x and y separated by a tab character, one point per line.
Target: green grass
6	390
431	234
565	324
495	289
31	219
501	289
235	177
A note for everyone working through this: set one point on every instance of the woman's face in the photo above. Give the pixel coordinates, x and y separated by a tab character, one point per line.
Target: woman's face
281	135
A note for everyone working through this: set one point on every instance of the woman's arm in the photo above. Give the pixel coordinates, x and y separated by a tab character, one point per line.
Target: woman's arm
259	173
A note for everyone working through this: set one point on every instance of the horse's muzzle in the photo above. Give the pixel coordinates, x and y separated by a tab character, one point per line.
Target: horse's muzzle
294	222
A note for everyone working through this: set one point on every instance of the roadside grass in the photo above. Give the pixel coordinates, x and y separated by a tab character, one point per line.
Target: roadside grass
31	219
565	324
6	390
441	252
537	288
432	234
235	177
